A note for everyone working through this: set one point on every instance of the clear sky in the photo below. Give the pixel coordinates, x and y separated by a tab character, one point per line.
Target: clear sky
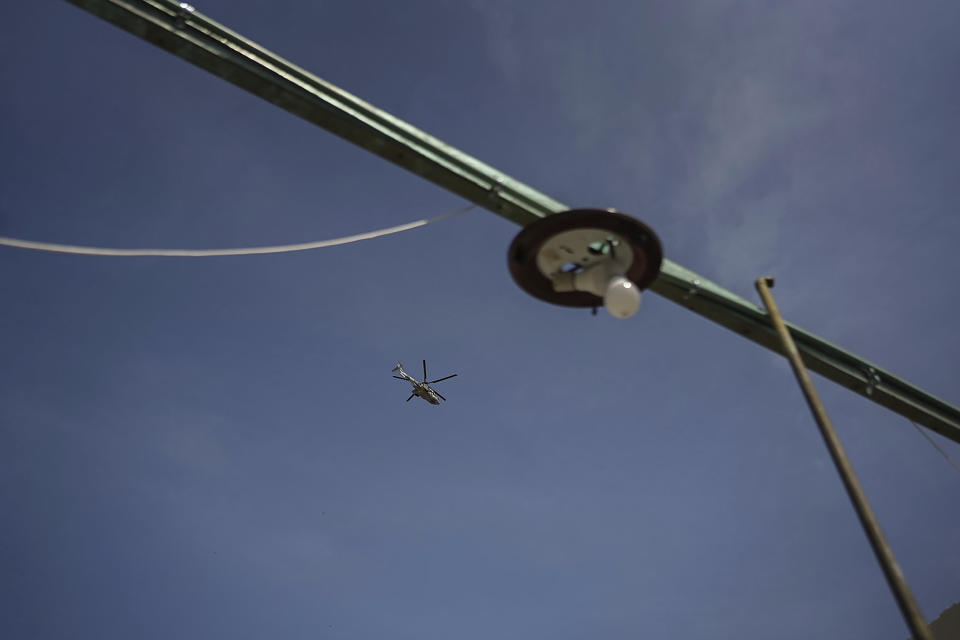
215	448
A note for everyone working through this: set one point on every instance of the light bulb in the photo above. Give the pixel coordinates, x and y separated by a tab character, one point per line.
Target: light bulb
622	297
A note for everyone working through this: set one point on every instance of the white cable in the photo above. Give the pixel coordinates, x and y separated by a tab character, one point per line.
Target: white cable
205	253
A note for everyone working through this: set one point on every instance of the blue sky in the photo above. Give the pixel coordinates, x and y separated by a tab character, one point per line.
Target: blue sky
214	448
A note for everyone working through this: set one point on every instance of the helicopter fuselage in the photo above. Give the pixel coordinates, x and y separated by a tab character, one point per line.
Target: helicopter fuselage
420	389
426	393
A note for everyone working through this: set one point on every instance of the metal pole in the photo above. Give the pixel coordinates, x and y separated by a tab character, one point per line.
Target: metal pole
178	28
901	591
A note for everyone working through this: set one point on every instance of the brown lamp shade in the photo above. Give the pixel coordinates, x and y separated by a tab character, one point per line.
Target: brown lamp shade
642	242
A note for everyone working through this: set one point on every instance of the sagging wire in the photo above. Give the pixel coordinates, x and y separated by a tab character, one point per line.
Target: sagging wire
207	253
935	445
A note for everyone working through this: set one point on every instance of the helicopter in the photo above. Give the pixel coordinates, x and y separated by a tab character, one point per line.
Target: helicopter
422	387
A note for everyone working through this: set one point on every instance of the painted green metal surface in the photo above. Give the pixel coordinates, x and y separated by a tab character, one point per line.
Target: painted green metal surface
177	28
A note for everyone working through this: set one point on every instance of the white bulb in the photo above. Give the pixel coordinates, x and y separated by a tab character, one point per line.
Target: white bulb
622	297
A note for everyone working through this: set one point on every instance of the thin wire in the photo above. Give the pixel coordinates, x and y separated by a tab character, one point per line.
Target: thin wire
935	445
206	253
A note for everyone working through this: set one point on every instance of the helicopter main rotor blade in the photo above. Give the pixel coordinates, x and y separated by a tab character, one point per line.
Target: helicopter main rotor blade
442	379
438	395
399	378
411	397
424	370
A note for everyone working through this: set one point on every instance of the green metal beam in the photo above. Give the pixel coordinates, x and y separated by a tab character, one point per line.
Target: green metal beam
179	29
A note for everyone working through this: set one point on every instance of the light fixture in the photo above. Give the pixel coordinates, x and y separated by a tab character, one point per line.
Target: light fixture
587	258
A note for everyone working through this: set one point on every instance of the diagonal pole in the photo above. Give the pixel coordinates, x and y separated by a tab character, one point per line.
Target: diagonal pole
891	570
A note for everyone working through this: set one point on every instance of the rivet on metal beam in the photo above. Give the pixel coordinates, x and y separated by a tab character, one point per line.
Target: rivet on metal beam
183	11
873	379
496	187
